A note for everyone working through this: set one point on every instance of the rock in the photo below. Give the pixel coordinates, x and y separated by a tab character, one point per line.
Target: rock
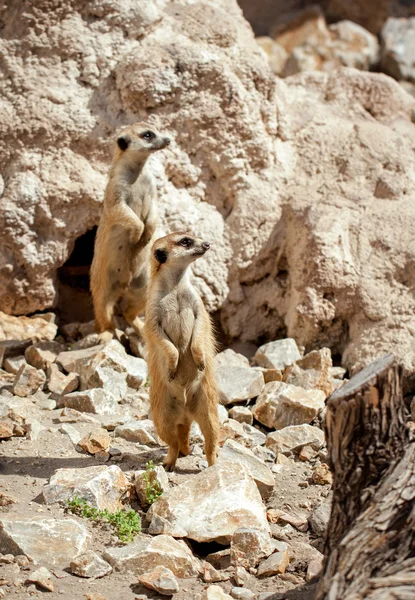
100	486
220	559
51	541
292	439
314	569
277	355
297	520
77	361
211	575
156	478
113	368
160	579
142	432
249	546
312	372
229	358
26	328
242	594
6	430
74	435
276	54
215	592
319	518
96	441
236	453
89	564
398	51
42	354
237	384
14	363
61	384
241	576
210	506
70	415
222	413
146	553
281	405
33	428
322	475
96	597
43	578
276	563
242	414
242	432
28	380
97	401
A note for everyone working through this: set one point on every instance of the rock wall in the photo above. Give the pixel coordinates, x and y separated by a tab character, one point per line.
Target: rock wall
303	186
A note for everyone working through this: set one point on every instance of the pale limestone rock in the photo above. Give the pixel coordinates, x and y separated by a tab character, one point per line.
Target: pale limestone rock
33	428
237	384
211	575
282	405
215	592
160	579
89	565
28	380
50	541
210	506
6	430
222	413
42	354
277	355
249	546
100	486
156	478
292	439
242	594
59	383
146	553
236	453
312	372
314	569
220	559
13	364
24	328
244	433
229	358
398	49
142	432
77	361
74	435
322	475
95	441
97	401
113	369
319	518
276	563
43	578
276	54
242	414
70	415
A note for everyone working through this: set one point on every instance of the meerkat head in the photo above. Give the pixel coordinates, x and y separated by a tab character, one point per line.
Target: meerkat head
139	141
178	250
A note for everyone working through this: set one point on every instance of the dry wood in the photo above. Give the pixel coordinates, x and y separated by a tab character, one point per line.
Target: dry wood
370	541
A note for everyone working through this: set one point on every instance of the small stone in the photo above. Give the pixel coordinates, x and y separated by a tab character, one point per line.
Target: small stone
237	384
249	546
14	363
322	475
25	328
307	453
230	358
211	575
99	597
70	415
242	414
97	401
89	565
292	439
215	592
59	383
314	569
76	361
142	432
6	430
22	560
236	453
33	428
281	405
297	520
73	434
113	363
28	380
319	518
7	559
398	54
220	559
100	486
160	579
42	354
6	500
244	433
276	563
96	441
276	54
222	413
312	372
241	576
277	355
155	478
43	578
242	594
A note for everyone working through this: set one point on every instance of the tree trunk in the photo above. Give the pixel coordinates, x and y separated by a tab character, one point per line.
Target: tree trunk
370	540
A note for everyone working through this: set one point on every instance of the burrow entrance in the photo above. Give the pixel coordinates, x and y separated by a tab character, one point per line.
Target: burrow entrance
75	302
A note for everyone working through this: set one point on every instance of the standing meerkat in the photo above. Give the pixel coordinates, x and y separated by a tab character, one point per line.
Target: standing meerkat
119	270
181	348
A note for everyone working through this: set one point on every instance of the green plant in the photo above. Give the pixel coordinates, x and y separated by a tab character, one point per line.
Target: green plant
126	523
153	488
147	383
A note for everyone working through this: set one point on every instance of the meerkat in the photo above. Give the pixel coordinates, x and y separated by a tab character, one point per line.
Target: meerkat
119	270
181	349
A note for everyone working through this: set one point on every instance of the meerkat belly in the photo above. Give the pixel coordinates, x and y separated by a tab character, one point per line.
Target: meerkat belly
178	324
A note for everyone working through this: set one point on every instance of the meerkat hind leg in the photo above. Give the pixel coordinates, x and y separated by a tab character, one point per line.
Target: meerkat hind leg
206	415
133	306
104	312
183	431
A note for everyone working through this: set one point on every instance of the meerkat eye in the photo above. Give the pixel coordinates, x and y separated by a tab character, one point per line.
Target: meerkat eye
147	135
186	242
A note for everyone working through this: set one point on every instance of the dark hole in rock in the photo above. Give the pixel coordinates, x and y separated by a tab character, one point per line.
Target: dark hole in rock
75	302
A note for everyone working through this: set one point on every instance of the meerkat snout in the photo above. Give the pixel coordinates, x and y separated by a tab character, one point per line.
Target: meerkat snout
179	248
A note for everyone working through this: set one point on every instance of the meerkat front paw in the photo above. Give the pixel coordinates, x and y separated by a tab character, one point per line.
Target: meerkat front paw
106	336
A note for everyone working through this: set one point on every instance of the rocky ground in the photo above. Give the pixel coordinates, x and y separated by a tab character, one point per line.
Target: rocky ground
74	422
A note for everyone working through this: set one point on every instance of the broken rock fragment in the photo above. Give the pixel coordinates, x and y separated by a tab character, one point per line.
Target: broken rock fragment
28	380
276	563
97	401
249	546
142	432
237	384
292	439
96	441
277	355
42	354
160	579
89	564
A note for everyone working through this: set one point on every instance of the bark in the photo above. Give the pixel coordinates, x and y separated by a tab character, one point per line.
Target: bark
370	540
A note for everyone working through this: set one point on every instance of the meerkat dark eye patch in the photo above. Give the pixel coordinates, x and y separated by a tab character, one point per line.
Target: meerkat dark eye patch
186	242
160	255
123	143
147	135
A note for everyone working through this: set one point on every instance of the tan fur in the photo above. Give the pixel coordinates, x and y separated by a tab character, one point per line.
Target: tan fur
119	270
181	348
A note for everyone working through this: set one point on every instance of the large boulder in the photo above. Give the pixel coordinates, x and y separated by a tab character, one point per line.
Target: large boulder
304	186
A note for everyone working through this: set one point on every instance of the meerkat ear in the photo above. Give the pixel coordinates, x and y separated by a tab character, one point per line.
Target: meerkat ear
123	142
160	256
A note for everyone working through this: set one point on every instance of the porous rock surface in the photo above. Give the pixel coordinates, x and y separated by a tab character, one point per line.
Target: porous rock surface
304	187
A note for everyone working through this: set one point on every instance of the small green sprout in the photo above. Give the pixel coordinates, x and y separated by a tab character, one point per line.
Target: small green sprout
153	489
